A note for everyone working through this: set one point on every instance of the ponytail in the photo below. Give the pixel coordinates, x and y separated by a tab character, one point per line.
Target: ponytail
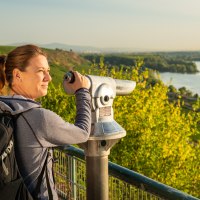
2	71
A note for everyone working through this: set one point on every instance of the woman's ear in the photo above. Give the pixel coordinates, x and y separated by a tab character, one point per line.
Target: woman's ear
17	75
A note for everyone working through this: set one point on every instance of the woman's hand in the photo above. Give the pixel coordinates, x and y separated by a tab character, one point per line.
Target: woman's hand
80	82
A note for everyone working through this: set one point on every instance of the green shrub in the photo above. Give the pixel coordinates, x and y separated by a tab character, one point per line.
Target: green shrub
162	141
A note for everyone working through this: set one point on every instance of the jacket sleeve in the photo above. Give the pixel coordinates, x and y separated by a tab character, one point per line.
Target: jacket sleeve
83	107
57	132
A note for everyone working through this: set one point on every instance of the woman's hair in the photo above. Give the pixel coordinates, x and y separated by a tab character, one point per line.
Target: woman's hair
17	58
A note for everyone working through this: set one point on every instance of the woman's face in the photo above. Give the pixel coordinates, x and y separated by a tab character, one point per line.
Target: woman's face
33	82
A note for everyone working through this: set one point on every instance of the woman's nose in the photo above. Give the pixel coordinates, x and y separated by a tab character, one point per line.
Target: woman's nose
48	77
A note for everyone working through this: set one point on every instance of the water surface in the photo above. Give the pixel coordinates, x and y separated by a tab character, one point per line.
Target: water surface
190	81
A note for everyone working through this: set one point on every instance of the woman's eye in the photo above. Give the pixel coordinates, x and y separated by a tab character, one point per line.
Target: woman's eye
40	70
44	71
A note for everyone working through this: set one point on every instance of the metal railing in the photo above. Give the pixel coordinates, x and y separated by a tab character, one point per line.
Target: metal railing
124	184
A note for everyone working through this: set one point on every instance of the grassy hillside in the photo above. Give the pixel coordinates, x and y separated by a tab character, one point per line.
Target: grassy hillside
62	61
5	49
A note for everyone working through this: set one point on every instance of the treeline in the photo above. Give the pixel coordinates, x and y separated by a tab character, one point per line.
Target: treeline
162	62
187	55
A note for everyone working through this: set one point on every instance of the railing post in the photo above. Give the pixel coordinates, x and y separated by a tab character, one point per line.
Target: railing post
74	181
97	152
97	177
72	176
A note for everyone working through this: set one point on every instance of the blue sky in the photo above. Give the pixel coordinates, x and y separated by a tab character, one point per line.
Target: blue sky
134	24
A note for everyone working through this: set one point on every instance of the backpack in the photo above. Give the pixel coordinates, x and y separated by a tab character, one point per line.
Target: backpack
12	186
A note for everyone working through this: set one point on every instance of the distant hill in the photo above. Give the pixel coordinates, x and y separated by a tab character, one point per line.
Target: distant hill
74	48
68	59
88	49
67	47
83	49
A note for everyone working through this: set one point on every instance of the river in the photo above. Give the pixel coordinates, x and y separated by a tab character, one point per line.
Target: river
190	81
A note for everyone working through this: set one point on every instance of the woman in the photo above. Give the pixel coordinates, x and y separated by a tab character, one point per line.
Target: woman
26	71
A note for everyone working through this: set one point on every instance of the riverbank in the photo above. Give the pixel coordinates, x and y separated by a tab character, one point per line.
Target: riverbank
178	80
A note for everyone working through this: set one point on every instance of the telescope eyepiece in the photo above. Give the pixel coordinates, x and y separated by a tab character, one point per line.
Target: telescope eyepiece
69	77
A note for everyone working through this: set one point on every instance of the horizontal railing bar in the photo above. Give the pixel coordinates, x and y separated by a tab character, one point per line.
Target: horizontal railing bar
140	181
73	151
147	184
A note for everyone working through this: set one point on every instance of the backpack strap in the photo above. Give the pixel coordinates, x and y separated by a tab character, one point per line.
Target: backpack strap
5	120
44	169
5	154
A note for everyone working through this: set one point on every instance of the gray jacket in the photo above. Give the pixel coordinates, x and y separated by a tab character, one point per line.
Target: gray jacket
51	131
